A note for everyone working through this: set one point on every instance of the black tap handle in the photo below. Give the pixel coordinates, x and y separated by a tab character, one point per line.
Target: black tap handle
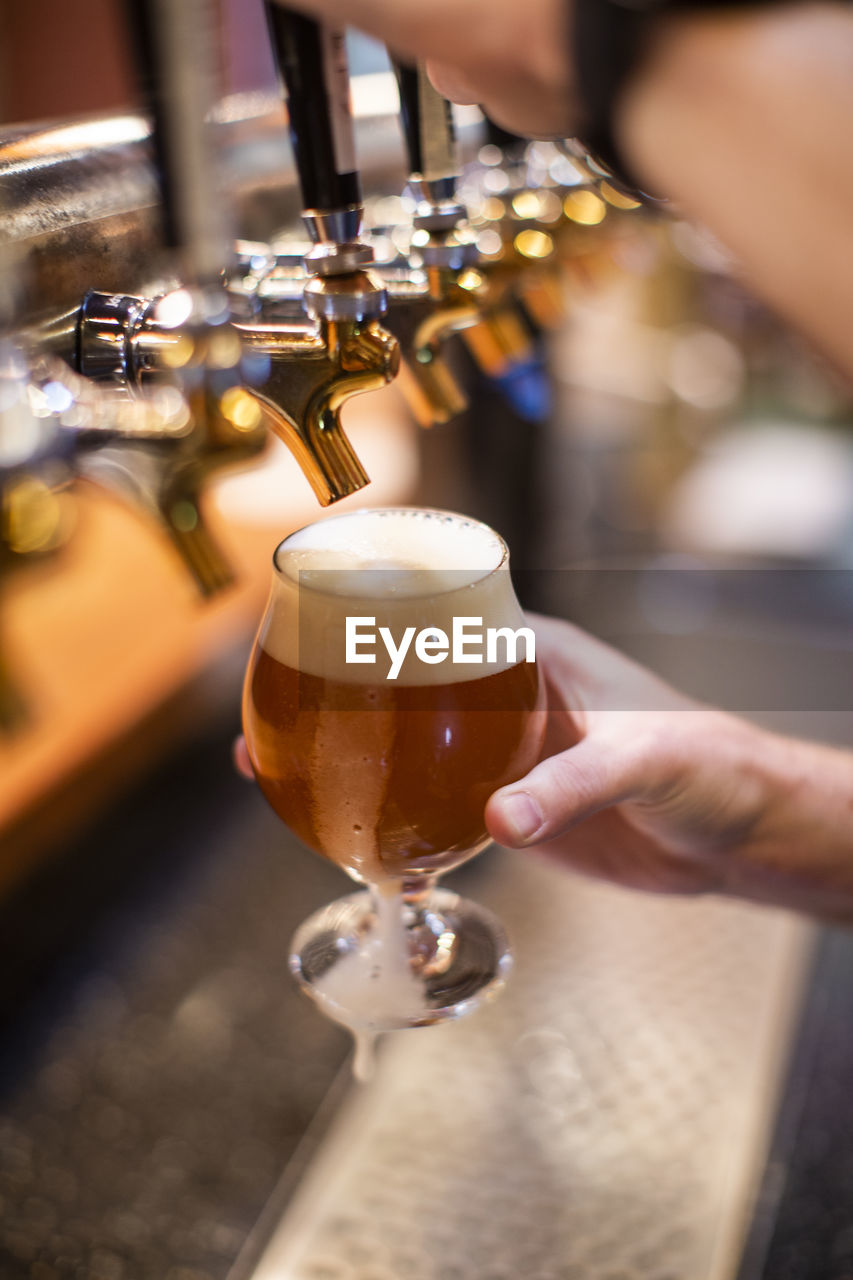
141	17
312	63
178	90
428	127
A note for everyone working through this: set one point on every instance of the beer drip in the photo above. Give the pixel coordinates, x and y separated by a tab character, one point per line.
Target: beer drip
401	957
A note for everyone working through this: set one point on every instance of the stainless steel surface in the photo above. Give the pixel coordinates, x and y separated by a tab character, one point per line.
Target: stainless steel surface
333	226
438	194
603	1120
79	198
364	300
433	212
328	259
299	374
453	252
80	202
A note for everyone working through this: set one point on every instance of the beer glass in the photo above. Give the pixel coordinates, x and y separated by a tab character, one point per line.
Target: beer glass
391	688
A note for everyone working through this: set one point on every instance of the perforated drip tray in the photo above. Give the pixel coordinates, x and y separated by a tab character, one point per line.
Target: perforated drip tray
606	1119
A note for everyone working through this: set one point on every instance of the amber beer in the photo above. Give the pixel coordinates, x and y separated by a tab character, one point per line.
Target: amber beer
388	779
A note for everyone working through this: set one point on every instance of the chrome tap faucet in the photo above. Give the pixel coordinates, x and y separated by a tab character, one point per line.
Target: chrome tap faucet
344	349
448	240
174	52
448	292
430	281
240	377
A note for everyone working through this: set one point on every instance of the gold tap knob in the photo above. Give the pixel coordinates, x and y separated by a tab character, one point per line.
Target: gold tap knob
444	294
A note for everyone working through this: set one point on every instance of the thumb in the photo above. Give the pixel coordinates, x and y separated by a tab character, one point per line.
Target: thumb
559	793
240	758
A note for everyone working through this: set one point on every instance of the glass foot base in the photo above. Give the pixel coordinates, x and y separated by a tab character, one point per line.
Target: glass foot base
379	962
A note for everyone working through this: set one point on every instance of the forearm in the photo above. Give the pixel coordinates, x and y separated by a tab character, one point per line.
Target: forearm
743	118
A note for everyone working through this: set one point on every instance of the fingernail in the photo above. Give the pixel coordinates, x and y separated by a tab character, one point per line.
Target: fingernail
521	814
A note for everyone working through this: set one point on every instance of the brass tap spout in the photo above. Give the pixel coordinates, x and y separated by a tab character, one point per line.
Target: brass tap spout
519	258
165	478
163	467
312	373
35	510
425	308
423	317
433	293
237	379
13	709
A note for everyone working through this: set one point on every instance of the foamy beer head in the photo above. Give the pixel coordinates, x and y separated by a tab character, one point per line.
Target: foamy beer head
403	567
389	691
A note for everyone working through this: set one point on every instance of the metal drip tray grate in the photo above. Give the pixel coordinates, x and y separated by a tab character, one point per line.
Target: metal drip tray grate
604	1120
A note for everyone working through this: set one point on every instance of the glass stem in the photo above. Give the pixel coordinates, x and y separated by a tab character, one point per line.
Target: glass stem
417	891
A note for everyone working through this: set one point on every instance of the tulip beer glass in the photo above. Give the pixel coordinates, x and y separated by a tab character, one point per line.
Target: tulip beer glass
392	687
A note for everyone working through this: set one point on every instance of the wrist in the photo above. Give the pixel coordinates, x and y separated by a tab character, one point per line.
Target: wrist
686	72
799	852
612	41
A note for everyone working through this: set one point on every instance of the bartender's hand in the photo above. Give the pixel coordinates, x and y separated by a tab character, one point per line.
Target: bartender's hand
738	113
240	756
644	787
511	58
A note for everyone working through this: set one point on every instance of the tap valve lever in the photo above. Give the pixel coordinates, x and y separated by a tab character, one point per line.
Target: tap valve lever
430	137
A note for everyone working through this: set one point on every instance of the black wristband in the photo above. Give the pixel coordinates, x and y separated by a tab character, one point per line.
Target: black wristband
609	39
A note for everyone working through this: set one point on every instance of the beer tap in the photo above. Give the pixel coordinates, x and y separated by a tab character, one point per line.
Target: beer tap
528	217
34	473
542	210
311	370
432	282
173	48
450	245
536	214
447	292
291	377
517	222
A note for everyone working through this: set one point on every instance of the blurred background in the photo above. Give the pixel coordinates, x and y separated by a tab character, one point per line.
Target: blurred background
672	469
